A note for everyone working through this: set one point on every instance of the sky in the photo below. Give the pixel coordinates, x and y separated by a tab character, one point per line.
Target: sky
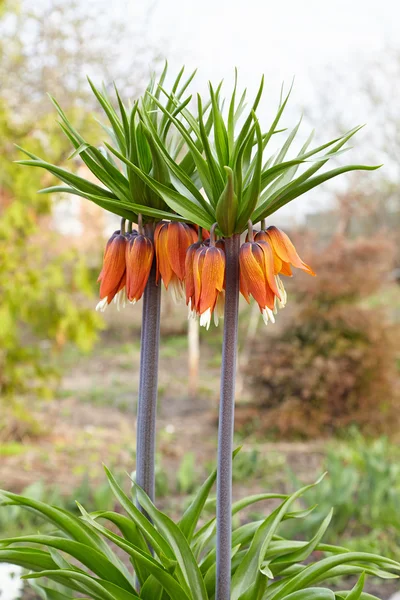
286	39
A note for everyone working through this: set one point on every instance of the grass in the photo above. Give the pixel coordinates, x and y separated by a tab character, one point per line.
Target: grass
14	449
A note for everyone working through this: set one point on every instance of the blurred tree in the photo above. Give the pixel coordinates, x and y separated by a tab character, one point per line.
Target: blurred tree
43	288
47	46
51	46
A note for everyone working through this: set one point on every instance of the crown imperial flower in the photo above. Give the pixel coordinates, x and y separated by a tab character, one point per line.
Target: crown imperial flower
258	278
139	258
209	277
171	243
285	253
112	276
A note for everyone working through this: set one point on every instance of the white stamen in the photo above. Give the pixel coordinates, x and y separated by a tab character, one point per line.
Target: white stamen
120	299
283	300
265	316
192	314
102	305
205	318
177	291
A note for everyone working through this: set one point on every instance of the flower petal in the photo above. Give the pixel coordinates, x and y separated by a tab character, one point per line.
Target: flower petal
286	251
212	279
139	256
113	266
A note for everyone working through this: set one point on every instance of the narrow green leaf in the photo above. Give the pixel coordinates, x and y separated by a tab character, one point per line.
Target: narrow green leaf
220	132
227	206
178	202
90	557
252	194
189	520
312	594
101	588
175	538
112	117
27	558
156	540
356	592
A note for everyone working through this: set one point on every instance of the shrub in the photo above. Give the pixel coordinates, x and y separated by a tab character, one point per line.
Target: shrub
333	364
43	290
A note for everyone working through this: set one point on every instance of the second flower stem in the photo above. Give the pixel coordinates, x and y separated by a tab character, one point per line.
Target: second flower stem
226	420
147	402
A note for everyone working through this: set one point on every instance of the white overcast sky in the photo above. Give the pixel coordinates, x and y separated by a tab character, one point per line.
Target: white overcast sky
301	39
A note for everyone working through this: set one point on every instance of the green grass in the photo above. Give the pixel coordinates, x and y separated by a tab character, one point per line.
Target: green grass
14	449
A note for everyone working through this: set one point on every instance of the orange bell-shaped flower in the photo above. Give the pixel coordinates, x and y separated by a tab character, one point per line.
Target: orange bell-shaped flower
258	279
189	276
209	277
139	258
285	253
171	243
113	274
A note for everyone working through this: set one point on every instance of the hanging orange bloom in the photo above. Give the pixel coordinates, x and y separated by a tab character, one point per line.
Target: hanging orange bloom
189	276
284	251
171	242
113	274
258	278
209	277
139	258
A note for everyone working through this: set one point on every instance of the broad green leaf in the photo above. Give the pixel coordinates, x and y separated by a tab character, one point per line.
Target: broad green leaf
302	553
252	194
175	538
215	169
227	206
131	533
189	520
356	592
157	541
312	594
311	573
364	596
179	203
152	589
49	593
67	177
313	182
93	559
71	525
255	556
101	588
145	560
220	132
248	123
112	117
28	558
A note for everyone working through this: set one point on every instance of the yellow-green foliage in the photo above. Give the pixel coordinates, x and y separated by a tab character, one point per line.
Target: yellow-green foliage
43	288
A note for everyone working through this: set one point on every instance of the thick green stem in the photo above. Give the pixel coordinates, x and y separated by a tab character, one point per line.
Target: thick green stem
147	402
226	420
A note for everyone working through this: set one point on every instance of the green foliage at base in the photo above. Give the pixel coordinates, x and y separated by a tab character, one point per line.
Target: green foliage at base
77	556
364	487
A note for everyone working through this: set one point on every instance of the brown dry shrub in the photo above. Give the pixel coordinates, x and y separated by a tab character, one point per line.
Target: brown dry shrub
333	365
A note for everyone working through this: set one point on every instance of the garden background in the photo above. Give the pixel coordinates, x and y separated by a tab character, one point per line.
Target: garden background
318	390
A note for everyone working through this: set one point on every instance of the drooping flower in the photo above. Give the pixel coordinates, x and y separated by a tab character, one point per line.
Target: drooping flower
113	273
258	278
171	240
209	277
139	258
285	253
189	276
